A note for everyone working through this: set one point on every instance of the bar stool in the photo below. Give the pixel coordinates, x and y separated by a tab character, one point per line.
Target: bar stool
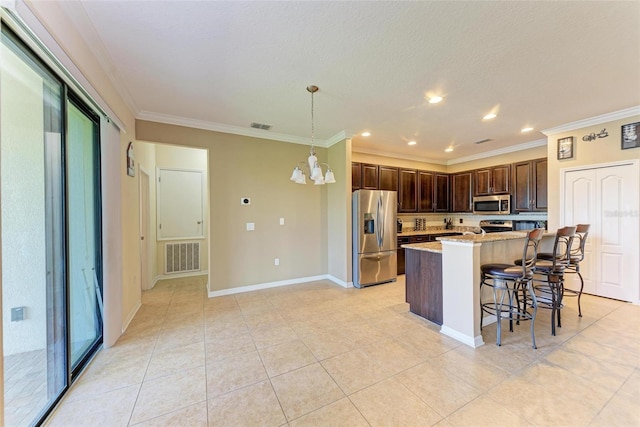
575	257
512	282
551	288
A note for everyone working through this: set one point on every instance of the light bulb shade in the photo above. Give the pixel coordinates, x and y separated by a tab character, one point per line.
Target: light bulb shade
296	175
319	181
316	173
302	179
329	178
313	162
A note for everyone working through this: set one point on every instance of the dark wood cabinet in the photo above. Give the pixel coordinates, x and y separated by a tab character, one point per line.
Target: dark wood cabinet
407	190
433	192
369	177
400	253
423	282
387	178
461	189
356	176
441	191
426	200
530	186
494	180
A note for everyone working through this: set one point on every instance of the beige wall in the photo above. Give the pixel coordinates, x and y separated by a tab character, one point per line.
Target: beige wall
517	156
339	212
400	163
602	150
242	166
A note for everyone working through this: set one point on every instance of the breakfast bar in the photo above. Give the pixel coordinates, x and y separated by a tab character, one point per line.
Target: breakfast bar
454	289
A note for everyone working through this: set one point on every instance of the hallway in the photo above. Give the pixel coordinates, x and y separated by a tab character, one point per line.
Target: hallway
317	354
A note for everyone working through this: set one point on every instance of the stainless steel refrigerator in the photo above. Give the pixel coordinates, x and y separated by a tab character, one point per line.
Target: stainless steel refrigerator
374	237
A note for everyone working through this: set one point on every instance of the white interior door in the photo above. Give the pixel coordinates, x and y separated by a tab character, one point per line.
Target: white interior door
580	208
607	198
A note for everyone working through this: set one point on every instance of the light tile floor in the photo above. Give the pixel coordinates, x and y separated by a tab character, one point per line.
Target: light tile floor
316	354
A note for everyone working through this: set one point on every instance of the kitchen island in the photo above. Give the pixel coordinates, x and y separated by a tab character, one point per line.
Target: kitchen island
459	278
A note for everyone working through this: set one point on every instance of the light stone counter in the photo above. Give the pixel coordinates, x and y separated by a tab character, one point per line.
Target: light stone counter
428	232
427	247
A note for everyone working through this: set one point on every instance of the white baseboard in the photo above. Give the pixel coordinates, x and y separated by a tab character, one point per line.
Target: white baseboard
177	276
340	282
131	316
473	342
259	286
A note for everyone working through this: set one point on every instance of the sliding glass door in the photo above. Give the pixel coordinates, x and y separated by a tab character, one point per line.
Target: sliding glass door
51	246
83	214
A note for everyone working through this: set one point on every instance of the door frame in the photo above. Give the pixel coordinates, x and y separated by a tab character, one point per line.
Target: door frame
145	217
635	164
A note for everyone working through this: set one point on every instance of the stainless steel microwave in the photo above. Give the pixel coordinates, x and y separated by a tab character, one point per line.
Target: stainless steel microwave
492	205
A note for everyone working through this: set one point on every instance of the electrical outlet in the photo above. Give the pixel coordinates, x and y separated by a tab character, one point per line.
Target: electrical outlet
276	261
281	221
460	220
251	226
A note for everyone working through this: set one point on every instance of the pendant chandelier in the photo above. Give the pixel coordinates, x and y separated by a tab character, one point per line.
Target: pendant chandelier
314	168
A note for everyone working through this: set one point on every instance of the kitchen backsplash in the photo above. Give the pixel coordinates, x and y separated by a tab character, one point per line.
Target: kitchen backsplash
469	221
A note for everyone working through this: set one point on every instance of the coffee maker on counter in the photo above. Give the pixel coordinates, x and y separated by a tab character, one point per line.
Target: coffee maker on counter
399	226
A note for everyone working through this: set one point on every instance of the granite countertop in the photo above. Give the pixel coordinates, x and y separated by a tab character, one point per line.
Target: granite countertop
428	231
489	237
427	247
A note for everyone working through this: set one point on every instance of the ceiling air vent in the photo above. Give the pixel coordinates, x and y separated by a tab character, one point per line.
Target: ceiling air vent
260	126
482	141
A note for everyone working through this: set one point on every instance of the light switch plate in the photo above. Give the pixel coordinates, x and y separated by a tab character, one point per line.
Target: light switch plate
251	226
281	221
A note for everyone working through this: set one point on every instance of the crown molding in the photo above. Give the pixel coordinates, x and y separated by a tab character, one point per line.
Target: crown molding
593	121
236	130
505	150
398	156
340	136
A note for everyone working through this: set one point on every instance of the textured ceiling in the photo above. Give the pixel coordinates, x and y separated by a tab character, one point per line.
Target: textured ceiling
227	64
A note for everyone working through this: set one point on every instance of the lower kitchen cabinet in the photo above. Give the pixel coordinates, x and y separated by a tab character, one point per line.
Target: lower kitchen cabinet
423	281
401	251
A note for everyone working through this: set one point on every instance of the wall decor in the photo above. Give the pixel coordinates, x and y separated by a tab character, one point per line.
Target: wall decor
592	136
131	168
565	148
631	135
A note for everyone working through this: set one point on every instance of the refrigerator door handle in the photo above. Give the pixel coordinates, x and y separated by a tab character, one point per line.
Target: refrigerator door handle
380	223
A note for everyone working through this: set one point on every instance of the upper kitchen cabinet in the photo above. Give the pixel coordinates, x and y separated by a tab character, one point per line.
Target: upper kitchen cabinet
433	192
369	177
461	189
494	180
387	178
530	186
408	190
356	176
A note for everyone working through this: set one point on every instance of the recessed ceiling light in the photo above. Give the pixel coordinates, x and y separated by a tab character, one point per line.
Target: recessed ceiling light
365	134
412	143
490	116
435	99
448	149
527	129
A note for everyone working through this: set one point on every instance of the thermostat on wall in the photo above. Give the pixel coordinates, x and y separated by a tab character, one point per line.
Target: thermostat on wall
245	201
